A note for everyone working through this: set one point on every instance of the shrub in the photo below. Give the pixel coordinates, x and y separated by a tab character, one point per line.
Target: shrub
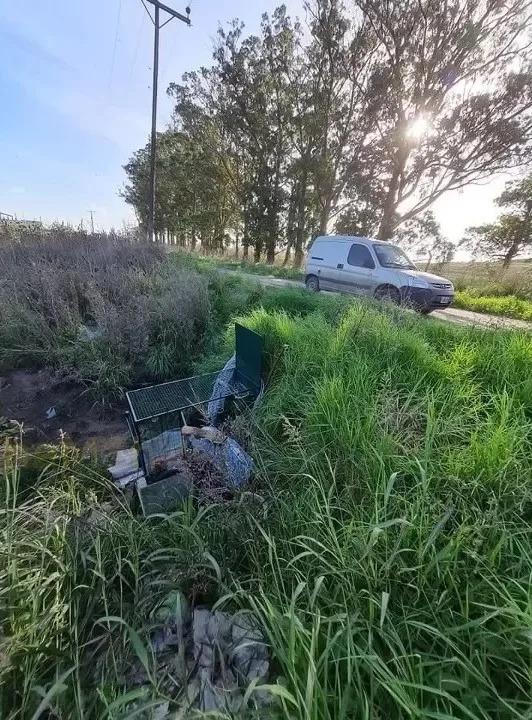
110	311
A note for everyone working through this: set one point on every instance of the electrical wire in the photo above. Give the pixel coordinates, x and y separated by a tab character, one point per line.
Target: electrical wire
137	46
115	44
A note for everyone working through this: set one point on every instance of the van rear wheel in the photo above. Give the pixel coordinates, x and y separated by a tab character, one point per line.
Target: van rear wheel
312	283
388	293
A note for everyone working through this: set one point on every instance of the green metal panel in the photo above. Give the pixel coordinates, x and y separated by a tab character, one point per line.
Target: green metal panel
248	347
164	496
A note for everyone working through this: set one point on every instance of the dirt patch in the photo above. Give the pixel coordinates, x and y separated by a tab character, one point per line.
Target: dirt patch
46	404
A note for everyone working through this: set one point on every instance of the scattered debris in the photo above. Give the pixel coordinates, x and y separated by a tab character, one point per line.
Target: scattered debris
25	396
51	413
205	659
208	433
126	463
231	461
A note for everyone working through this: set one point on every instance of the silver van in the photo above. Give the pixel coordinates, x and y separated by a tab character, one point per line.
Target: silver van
377	269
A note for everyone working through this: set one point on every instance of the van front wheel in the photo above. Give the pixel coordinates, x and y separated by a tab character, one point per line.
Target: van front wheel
388	293
312	283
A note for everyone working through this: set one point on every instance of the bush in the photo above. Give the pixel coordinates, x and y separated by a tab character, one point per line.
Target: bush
491	279
103	308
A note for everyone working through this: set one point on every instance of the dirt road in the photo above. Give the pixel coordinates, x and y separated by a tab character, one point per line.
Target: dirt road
455	315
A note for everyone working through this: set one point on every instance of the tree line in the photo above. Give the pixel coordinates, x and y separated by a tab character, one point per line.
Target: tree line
355	120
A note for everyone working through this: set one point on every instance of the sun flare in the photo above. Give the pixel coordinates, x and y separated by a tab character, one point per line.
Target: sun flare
418	127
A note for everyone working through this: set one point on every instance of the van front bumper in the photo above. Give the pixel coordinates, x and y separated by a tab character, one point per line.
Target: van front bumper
425	298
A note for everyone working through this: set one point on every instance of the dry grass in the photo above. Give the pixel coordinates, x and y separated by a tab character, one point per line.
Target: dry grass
107	309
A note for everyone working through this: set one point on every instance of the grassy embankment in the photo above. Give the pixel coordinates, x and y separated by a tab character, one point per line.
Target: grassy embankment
481	287
388	560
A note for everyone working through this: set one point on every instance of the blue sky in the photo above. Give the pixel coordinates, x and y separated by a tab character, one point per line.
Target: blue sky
75	102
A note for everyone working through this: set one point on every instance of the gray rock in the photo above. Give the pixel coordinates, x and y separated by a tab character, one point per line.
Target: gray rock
218	698
219	628
249	655
203	649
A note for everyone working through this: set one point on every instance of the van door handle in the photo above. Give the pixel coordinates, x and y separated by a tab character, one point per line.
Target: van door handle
340	266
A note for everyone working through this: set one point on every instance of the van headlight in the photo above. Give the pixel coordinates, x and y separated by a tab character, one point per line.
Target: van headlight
419	283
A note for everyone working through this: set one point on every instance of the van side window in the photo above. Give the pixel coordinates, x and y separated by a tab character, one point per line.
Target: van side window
360	256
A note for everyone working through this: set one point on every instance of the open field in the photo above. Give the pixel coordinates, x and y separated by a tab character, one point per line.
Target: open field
384	544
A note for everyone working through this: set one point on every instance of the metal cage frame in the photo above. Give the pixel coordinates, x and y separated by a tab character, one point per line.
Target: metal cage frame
161	408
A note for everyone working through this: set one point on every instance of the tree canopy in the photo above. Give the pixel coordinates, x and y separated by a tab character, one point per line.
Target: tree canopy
511	234
362	121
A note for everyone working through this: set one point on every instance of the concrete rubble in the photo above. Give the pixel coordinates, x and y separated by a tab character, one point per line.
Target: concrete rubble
126	468
206	660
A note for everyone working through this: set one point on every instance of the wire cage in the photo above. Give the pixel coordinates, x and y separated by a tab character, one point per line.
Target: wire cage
157	413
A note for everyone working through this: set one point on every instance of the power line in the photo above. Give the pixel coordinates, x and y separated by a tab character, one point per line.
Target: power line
115	43
158	6
137	47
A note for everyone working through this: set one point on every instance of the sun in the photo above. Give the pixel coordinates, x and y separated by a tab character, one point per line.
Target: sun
418	127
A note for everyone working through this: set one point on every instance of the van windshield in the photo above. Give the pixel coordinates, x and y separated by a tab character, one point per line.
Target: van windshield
393	257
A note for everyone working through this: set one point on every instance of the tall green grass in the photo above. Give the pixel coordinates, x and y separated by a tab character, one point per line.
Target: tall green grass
394	576
387	550
505	305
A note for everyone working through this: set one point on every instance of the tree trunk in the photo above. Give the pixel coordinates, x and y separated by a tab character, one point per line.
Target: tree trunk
301	218
257	250
245	238
387	224
325	214
236	244
388	220
291	222
193	238
512	252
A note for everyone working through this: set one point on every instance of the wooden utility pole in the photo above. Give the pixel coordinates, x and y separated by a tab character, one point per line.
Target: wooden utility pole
153	146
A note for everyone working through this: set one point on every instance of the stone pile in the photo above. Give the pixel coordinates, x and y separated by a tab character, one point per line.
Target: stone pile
207	659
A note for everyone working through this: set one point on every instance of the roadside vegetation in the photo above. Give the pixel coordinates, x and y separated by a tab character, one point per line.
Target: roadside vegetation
110	312
505	305
104	310
384	544
480	286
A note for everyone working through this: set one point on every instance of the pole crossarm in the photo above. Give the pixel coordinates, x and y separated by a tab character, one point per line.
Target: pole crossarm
170	11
